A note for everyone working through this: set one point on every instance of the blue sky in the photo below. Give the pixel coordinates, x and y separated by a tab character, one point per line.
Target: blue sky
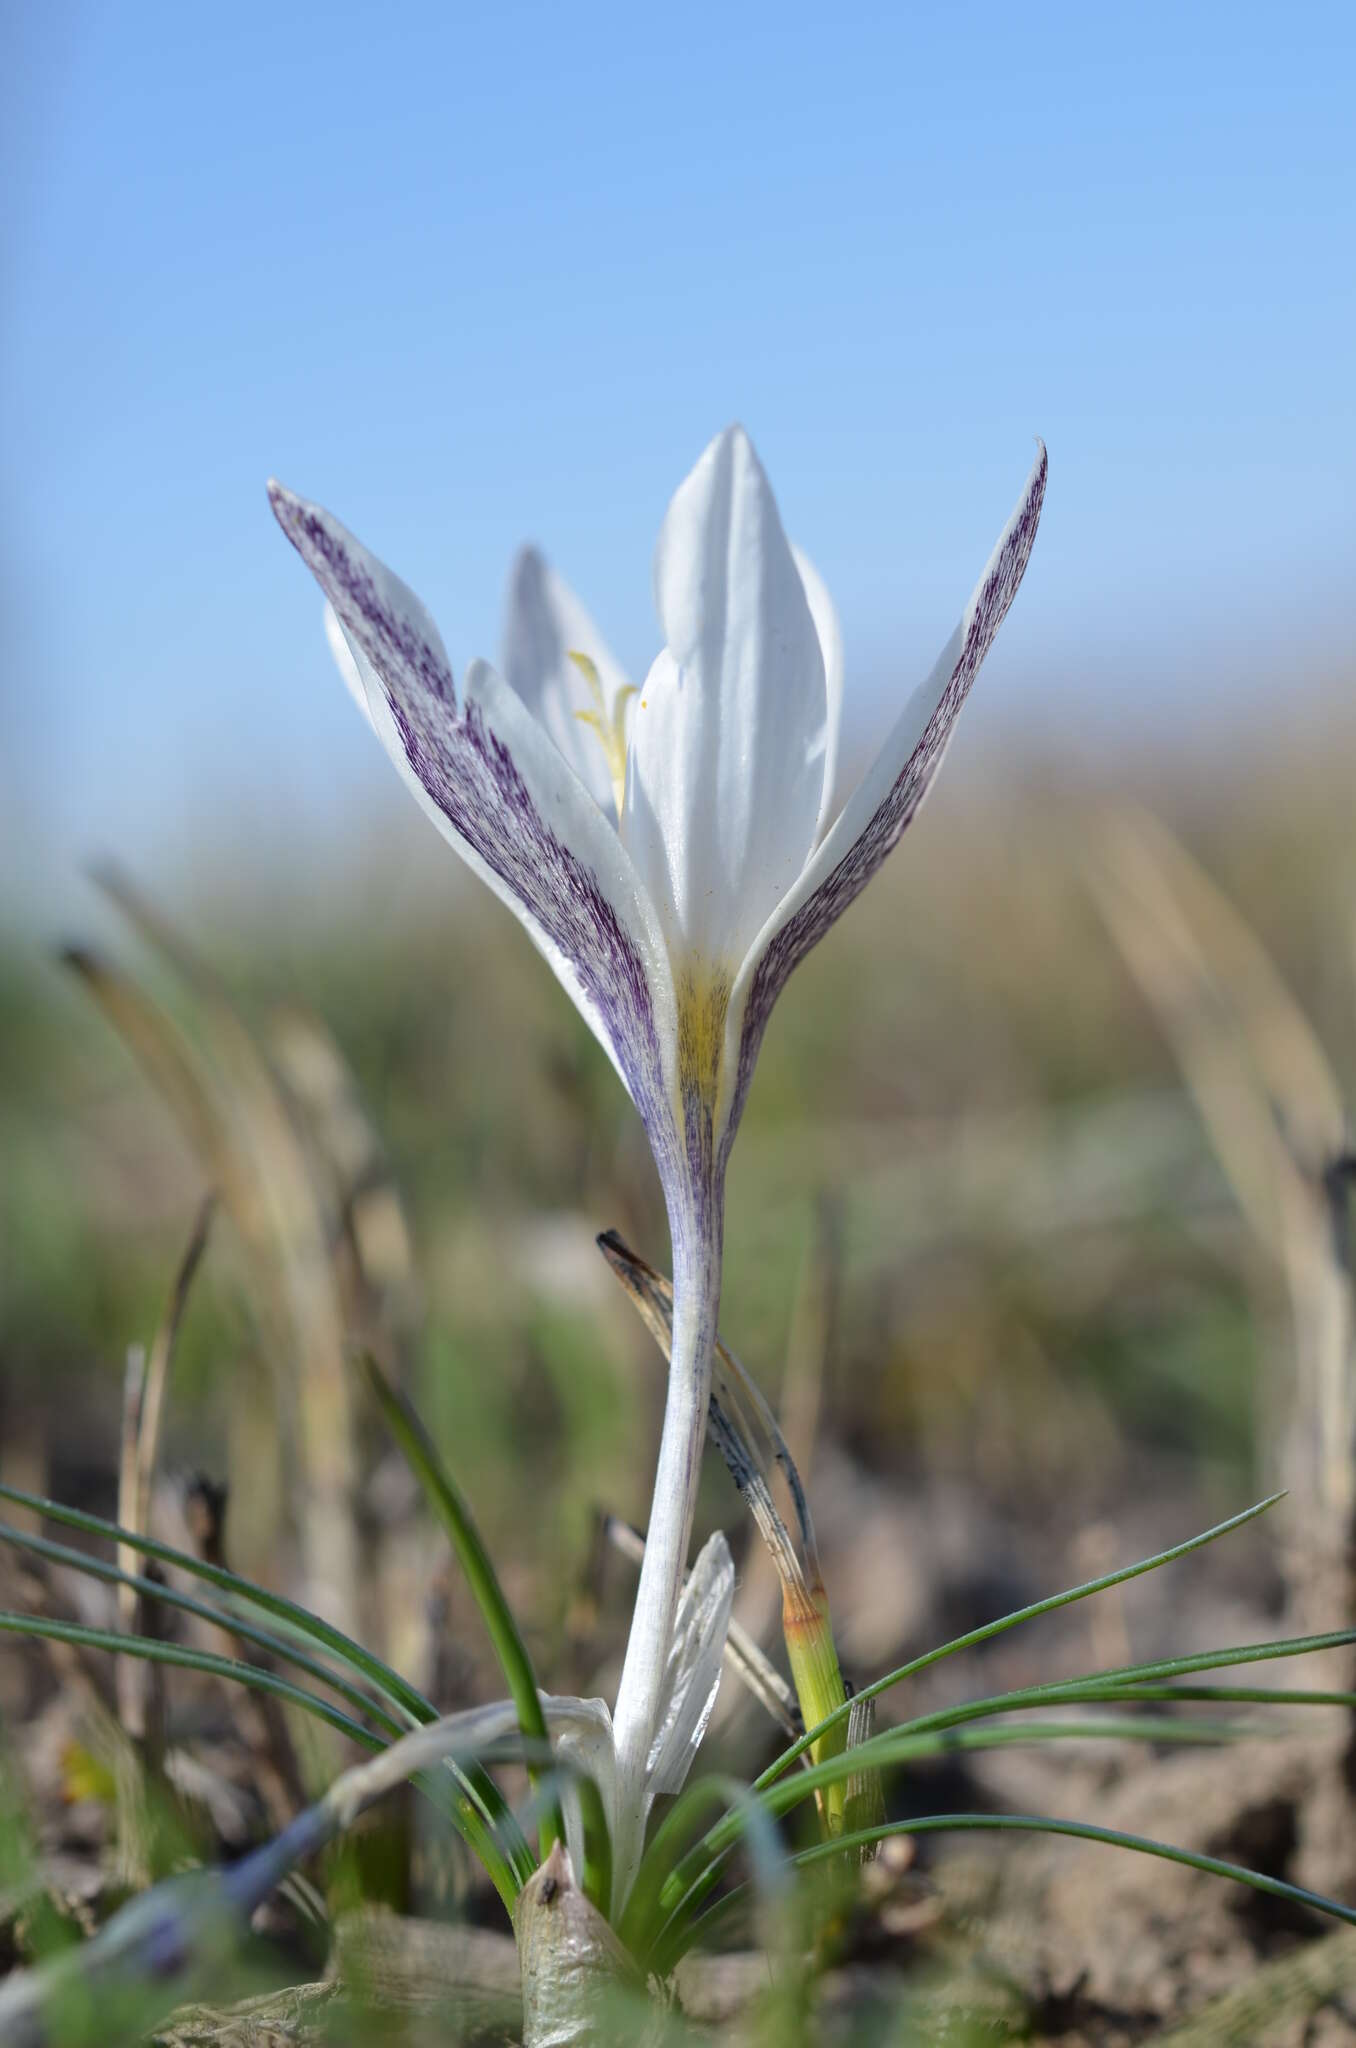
470	275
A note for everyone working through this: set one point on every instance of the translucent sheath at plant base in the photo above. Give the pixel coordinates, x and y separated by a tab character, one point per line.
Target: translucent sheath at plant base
673	852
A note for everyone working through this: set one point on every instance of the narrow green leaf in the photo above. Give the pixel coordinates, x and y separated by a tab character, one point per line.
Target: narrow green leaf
1129	1681
218	1617
692	1879
477	1789
479	1825
993	1628
643	1906
185	1659
695	1874
1227	1695
898	1746
449	1505
411	1703
1026	1823
596	1876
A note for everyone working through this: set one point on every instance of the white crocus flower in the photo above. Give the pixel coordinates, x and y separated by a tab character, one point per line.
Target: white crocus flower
673	854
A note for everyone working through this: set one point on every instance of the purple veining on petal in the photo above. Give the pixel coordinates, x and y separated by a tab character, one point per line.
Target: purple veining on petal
381	633
473	779
807	926
471	776
698	1224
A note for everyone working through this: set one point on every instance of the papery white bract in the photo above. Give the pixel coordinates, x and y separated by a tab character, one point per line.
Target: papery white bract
673	855
583	1730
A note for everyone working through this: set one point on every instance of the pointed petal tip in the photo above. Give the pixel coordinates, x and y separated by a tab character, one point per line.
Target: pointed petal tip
732	440
528	567
1032	502
287	507
741	442
714	1565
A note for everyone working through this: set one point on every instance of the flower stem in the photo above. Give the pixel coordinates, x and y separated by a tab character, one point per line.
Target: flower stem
696	1233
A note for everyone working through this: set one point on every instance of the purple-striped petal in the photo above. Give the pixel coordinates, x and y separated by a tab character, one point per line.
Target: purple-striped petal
884	805
490	779
381	616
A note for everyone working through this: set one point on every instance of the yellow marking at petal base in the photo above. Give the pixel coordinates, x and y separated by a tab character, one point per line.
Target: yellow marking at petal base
610	726
703	999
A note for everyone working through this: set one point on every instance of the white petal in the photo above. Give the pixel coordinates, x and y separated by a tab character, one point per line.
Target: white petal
885	803
499	792
346	661
692	1675
727	738
824	612
366	688
544	624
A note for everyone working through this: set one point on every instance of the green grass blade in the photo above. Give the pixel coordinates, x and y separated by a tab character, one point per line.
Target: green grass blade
411	1703
218	1617
659	1862
1044	1824
732	1795
989	1629
1241	1695
454	1513
693	1878
183	1658
899	1746
596	1876
477	1789
745	1812
1128	1681
480	1826
697	1871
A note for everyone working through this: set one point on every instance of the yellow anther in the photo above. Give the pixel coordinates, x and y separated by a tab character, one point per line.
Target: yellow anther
588	669
609	725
